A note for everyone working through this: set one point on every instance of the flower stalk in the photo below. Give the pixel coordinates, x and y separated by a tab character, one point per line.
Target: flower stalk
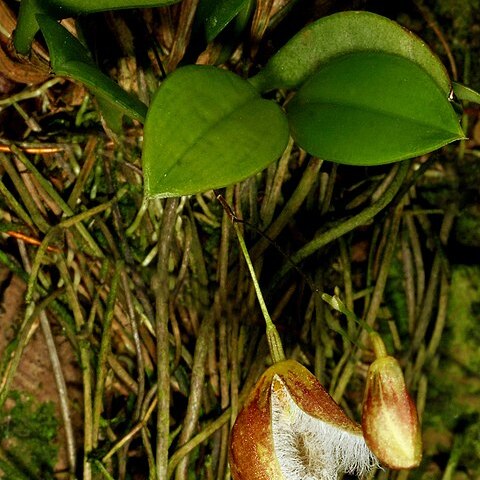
273	337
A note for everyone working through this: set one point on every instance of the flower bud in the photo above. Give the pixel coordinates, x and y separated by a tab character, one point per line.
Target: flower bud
291	429
389	418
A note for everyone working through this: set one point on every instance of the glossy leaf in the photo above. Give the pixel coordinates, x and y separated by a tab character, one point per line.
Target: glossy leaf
371	108
207	128
465	93
215	15
27	25
71	59
339	34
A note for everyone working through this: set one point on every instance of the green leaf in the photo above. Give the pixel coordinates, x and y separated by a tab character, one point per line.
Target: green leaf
27	25
340	34
112	117
465	93
71	59
207	128
371	108
215	15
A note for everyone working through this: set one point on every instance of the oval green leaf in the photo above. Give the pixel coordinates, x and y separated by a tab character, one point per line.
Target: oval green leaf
340	34
371	108
207	128
71	59
27	25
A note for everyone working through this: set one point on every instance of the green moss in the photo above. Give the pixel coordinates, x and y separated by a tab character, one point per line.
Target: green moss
467	228
28	432
464	317
452	416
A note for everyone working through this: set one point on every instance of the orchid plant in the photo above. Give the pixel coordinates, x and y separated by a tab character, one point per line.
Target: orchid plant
367	92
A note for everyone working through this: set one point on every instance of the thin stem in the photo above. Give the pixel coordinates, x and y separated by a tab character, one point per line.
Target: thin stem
216	424
24	194
131	434
105	348
15	205
294	203
21	342
103	470
273	190
163	341
85	363
30	93
274	341
56	197
58	375
138	218
432	23
193	411
381	281
62	392
137	342
9	467
441	317
378	345
346	226
90	157
69	222
455	454
197	440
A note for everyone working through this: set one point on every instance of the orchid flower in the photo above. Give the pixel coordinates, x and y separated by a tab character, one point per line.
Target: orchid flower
291	429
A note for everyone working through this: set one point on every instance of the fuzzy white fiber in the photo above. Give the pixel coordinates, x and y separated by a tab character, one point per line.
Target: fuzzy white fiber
308	448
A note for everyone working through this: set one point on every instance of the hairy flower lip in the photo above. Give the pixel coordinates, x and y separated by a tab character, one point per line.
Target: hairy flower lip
389	418
288	389
310	448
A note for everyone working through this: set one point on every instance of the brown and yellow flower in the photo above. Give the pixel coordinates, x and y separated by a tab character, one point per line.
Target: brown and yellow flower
389	418
291	429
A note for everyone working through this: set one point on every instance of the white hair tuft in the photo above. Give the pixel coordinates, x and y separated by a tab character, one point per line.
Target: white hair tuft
310	449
